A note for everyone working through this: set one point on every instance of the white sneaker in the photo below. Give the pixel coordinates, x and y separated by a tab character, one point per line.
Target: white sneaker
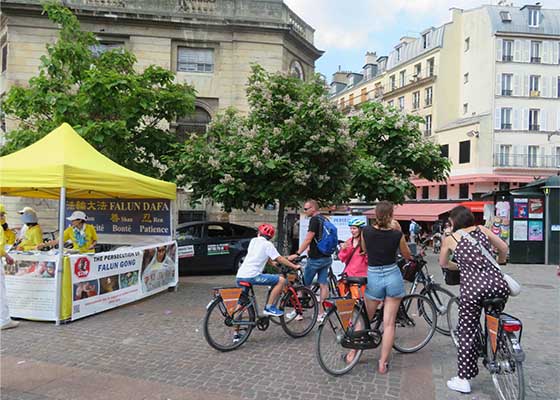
10	324
293	315
321	318
459	385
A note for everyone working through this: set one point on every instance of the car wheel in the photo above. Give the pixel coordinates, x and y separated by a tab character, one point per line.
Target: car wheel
238	261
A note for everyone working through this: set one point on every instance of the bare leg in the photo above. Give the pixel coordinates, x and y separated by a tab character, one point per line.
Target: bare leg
323	294
391	308
276	290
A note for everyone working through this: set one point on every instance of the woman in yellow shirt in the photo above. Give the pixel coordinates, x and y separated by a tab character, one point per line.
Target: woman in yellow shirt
9	235
83	236
33	238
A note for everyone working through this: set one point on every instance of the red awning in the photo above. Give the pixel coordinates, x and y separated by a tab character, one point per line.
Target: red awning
427	212
475	206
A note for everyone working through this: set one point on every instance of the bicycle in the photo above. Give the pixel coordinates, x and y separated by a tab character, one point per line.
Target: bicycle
431	289
499	346
233	312
347	326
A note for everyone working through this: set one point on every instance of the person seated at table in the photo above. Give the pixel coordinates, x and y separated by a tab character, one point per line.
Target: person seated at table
33	237
9	235
83	236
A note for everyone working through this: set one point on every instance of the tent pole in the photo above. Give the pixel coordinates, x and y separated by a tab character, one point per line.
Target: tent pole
60	268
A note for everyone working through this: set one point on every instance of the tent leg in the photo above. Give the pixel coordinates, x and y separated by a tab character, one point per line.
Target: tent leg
60	265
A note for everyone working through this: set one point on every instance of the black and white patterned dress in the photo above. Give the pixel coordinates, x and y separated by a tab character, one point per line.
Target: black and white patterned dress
480	280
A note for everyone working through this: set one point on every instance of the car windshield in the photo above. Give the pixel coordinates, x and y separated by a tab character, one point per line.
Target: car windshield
189	232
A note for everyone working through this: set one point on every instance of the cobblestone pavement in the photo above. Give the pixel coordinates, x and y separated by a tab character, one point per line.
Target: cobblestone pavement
154	349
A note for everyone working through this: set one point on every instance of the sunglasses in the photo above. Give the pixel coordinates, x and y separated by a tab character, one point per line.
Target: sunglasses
306	208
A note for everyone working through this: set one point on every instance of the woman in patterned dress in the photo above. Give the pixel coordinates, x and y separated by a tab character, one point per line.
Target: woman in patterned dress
480	280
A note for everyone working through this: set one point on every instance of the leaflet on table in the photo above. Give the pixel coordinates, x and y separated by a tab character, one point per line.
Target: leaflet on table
107	280
31	287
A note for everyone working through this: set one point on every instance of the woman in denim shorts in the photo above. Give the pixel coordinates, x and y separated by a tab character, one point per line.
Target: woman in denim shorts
385	281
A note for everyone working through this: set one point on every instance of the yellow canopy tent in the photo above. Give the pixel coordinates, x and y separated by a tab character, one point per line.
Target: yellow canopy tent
63	165
63	159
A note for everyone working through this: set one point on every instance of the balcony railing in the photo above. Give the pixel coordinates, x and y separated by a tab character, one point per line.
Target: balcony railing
534	93
508	160
410	80
507	92
536	60
506	126
534	127
507	57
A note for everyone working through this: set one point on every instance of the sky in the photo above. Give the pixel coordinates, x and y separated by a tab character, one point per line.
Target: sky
345	30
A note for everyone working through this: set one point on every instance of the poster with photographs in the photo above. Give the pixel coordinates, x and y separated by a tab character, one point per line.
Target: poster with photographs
520	208
31	286
107	280
536	208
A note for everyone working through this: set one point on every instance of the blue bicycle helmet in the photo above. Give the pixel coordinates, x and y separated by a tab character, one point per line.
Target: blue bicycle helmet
360	223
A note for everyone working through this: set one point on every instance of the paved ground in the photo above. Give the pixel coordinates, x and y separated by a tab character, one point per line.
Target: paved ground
154	349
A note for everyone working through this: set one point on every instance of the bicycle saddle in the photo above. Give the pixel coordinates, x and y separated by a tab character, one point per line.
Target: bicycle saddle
357	280
495	302
246	284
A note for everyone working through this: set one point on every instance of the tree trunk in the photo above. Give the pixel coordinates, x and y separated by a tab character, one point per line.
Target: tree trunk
280	231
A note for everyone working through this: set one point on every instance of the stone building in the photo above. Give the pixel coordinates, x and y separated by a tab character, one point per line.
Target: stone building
210	44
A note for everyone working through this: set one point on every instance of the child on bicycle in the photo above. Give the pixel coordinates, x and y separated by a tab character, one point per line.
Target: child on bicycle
260	252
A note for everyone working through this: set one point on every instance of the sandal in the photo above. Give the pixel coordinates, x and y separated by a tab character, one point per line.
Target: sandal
383	368
348	359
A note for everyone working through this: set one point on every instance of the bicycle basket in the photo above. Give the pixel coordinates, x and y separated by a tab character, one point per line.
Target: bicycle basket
230	297
345	309
451	276
409	270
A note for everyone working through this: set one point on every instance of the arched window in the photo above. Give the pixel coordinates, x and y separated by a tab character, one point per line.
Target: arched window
296	69
194	123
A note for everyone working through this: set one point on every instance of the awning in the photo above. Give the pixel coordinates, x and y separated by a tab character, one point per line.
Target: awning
428	212
475	206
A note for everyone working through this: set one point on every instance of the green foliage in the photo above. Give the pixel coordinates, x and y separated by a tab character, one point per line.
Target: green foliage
120	111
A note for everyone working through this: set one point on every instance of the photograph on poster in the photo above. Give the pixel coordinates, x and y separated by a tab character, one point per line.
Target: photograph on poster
520	208
536	208
535	230
158	267
84	290
128	279
520	230
109	284
41	269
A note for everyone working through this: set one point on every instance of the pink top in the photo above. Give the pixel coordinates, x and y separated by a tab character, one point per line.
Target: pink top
358	263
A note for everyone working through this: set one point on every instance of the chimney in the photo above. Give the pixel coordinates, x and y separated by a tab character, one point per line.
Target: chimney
340	77
407	39
455	13
371	58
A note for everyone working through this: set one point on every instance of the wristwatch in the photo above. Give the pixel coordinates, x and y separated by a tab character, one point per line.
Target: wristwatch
297	254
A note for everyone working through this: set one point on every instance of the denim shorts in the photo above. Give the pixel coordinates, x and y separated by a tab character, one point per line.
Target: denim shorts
262	279
319	267
384	281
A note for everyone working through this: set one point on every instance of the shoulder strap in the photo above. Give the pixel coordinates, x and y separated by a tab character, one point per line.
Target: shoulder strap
350	258
482	249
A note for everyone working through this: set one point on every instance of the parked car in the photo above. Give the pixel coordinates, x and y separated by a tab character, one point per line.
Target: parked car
212	246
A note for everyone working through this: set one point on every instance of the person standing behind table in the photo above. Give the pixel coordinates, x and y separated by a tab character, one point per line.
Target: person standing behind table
480	280
317	263
5	321
23	229
385	282
9	235
33	236
83	236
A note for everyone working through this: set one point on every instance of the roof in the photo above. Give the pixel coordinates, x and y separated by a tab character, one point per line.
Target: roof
475	119
415	48
64	159
419	211
549	21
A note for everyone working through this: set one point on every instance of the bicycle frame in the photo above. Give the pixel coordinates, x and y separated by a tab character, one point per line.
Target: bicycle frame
494	327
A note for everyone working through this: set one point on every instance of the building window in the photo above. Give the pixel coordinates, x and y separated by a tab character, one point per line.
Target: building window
532	152
401	78
4	57
506	84
342	103
535	51
428	122
363	95
507	50
558	157
534	17
418	71
429	92
534	87
464	191
467	44
465	152
426	40
401	103
533	119
351	99
194	123
416	100
398	49
425	192
506	118
430	67
444	149
391	103
465	108
393	82
504	155
104	46
296	70
442	192
195	60
466	78
506	16
2	116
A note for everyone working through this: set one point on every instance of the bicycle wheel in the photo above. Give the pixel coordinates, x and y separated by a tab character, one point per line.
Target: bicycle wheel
300	312
440	297
330	353
508	380
416	323
220	330
453	319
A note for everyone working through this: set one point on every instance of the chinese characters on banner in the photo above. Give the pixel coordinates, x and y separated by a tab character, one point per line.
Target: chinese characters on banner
125	216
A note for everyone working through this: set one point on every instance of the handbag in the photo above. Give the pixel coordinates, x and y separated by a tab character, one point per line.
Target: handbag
514	286
451	276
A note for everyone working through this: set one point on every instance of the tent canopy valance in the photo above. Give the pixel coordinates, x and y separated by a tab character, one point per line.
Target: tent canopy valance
64	159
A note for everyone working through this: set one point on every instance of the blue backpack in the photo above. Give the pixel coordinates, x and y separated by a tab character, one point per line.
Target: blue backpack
328	240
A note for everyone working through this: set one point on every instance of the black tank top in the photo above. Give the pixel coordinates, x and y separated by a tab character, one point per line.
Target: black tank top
381	245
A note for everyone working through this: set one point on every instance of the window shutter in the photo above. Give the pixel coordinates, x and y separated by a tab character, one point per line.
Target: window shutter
518	155
498	119
525	120
545	52
516	85
526	57
525	85
541	159
545	86
499	48
517	56
544	120
516	119
498	84
558	120
554	53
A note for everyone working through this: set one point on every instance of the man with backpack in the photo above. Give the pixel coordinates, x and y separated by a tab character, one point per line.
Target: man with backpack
319	240
414	230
